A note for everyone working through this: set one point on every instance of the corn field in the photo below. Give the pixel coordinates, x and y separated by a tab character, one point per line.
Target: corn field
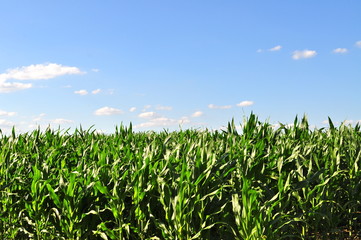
259	182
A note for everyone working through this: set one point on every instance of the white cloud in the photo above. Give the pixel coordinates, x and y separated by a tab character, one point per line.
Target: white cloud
340	50
12	87
163	122
81	92
303	54
37	126
95	70
39	117
62	121
156	123
184	120
132	109
147	115
6	123
96	91
245	103
197	114
212	106
325	122
164	108
33	72
106	111
8	114
276	48
39	71
358	44
146	107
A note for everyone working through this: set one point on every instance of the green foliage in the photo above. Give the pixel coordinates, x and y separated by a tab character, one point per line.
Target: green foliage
256	183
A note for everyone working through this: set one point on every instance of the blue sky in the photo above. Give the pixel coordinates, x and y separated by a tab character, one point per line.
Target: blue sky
166	64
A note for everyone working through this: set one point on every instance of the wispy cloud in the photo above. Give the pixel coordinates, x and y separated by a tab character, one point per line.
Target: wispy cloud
147	115
5	123
276	48
245	104
81	92
7	114
85	92
6	87
96	91
358	44
163	108
163	122
184	120
132	109
110	91
212	106
340	50
146	107
303	54
62	121
39	117
33	72
106	111
197	114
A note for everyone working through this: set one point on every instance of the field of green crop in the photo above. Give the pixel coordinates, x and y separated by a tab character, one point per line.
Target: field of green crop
255	183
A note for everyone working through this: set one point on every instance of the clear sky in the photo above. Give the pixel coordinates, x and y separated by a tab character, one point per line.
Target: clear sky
169	64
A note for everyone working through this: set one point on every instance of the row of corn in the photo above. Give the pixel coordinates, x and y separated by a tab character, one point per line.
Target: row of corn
256	183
